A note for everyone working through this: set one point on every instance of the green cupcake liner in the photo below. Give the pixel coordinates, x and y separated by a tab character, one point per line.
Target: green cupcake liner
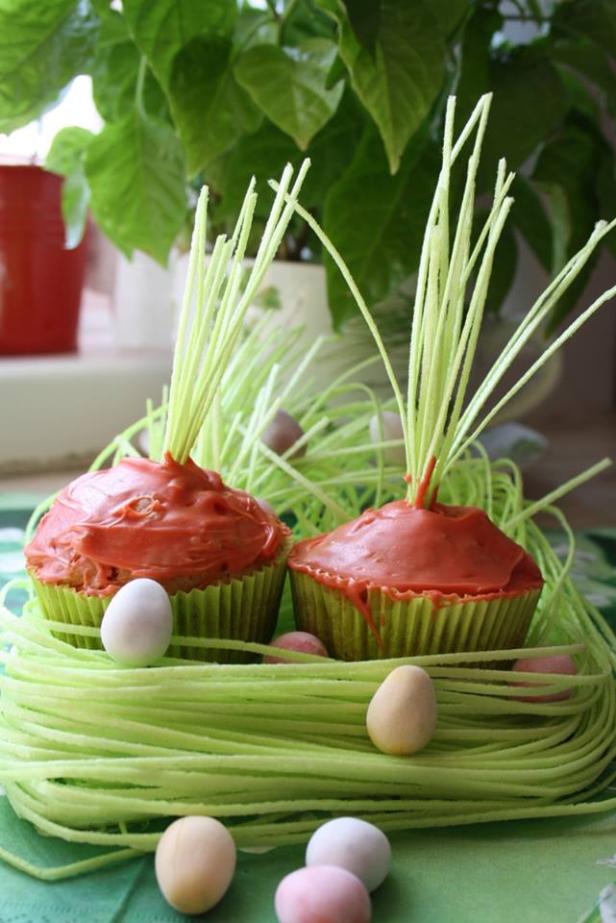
408	627
242	609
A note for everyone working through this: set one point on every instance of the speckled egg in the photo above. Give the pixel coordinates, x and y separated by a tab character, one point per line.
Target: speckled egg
301	641
401	716
282	434
560	664
322	894
352	844
138	623
195	863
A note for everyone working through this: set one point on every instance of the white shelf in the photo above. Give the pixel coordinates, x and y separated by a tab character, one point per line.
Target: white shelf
55	408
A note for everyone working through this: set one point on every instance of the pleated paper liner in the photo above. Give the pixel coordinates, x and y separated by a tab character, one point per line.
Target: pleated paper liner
410	626
244	609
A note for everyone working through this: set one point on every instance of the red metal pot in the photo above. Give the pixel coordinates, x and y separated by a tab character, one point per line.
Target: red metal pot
40	281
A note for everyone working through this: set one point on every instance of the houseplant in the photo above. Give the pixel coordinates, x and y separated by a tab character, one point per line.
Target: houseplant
211	92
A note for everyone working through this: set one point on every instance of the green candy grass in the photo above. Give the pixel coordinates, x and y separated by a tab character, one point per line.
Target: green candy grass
98	754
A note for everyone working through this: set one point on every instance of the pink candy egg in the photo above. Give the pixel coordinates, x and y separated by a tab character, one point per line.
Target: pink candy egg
322	894
301	641
560	664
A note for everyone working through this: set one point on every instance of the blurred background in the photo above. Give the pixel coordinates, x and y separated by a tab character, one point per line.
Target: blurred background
114	114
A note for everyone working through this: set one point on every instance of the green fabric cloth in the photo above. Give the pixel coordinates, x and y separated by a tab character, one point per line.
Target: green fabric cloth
531	872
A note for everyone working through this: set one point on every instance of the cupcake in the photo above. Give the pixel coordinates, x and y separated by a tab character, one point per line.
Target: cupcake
217	552
405	580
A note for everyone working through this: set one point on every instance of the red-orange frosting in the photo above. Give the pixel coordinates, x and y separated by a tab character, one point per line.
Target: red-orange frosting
177	524
406	550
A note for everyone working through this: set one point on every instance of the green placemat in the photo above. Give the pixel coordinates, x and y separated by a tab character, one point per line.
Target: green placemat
531	872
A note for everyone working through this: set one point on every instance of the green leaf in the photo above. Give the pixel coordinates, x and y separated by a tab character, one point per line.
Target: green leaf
529	103
42	47
595	19
530	218
115	72
305	20
66	157
377	221
135	169
254	27
399	83
448	14
476	60
336	73
580	94
75	201
585	57
290	87
262	154
365	18
332	150
67	150
210	109
529	99
566	171
265	152
161	28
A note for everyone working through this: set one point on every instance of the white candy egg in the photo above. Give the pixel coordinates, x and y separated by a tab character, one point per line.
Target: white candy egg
401	717
138	623
354	845
322	894
195	863
282	433
391	429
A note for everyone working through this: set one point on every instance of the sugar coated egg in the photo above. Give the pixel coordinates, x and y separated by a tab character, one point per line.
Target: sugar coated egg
322	894
390	429
282	433
301	641
195	863
138	623
354	845
560	664
401	717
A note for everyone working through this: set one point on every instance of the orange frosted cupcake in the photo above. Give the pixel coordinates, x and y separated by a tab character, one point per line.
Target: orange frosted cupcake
405	580
217	552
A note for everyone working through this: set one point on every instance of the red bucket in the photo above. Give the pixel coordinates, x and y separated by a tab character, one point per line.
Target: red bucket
40	281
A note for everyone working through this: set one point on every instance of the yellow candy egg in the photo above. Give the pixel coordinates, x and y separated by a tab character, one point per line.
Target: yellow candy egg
195	862
401	717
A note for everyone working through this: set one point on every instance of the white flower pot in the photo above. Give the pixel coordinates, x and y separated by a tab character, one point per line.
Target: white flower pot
143	303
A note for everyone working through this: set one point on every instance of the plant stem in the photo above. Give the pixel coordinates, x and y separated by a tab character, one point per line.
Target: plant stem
139	88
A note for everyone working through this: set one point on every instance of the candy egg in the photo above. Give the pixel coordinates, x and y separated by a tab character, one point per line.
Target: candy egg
301	641
354	845
401	717
560	664
282	433
391	428
138	623
195	862
322	894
